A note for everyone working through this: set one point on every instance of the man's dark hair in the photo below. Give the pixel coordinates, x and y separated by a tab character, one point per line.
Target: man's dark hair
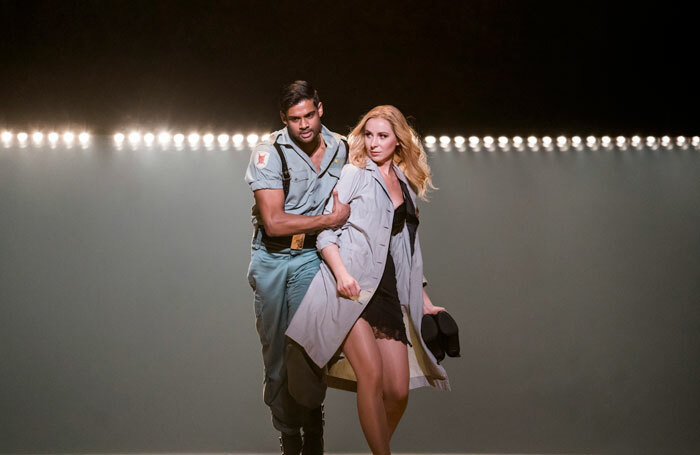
296	92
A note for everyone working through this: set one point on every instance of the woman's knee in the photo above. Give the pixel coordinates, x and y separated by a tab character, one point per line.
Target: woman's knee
396	392
370	377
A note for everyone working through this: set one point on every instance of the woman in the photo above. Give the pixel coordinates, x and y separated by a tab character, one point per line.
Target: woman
372	277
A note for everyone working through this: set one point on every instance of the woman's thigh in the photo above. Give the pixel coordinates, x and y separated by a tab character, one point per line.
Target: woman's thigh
362	351
395	371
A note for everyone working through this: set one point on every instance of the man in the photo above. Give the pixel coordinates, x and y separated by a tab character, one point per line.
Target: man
288	213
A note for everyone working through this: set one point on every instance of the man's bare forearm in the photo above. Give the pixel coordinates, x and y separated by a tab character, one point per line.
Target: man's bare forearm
278	223
281	224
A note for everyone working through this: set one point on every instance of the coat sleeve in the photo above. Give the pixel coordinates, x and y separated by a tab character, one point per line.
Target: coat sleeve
348	187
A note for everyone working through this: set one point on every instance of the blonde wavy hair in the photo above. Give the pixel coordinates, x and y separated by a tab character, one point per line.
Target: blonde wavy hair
409	155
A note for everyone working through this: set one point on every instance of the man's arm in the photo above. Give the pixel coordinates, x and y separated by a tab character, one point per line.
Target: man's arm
278	223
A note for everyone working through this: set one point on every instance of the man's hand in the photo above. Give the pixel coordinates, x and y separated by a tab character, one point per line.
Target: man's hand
340	214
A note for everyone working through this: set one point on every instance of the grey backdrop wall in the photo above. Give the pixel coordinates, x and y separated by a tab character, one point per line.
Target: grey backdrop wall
126	321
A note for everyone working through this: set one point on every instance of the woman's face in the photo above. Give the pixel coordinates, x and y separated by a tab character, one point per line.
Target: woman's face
380	140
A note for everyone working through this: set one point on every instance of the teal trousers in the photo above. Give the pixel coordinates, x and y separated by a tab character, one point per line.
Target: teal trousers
279	281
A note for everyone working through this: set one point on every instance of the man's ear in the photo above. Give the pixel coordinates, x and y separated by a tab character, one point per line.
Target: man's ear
320	109
283	117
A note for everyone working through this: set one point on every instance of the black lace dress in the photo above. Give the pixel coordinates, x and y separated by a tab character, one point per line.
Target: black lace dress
383	311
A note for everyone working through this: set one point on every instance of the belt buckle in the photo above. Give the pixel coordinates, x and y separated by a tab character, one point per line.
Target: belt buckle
297	242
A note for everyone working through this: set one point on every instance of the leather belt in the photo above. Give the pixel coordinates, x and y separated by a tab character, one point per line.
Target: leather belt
285	241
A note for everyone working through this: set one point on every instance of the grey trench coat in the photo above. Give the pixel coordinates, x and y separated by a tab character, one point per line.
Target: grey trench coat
324	318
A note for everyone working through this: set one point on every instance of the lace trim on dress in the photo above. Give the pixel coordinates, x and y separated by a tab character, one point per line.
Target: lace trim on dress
390	333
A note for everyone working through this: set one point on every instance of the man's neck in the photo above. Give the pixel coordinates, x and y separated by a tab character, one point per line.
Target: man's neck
311	147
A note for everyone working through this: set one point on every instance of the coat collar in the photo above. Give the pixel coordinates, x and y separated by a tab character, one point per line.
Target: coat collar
372	166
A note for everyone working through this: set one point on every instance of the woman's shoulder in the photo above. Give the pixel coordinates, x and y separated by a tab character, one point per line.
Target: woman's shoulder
351	168
351	171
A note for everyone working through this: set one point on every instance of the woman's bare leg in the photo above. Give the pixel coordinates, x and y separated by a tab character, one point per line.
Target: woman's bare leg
395	380
363	353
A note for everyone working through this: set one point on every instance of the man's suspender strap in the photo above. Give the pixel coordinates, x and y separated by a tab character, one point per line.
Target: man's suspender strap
286	177
285	170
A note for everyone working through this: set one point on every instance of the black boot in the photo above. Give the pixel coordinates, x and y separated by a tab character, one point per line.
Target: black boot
290	444
313	431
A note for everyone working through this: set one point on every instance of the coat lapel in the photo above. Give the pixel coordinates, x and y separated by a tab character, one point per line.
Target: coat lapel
371	165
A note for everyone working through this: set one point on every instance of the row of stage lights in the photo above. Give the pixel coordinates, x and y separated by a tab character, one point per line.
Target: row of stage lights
562	142
165	139
53	138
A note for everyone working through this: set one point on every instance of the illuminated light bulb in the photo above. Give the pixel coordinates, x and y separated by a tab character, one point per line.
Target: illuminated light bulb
163	137
6	136
148	139
193	138
53	137
37	137
665	140
651	140
488	141
459	140
134	137
590	141
576	140
68	137
636	140
179	138
444	140
546	141
252	139
84	137
430	140
531	141
208	139
680	140
502	141
265	137
119	138
561	141
22	137
238	138
517	141
605	140
222	139
695	141
473	141
620	140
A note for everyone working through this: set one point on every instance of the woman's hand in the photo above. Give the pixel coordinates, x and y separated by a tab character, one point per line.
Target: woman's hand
348	286
428	307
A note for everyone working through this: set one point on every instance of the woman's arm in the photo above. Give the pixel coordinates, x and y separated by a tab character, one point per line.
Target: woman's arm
347	285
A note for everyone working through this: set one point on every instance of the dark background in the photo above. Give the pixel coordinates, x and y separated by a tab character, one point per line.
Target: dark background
477	67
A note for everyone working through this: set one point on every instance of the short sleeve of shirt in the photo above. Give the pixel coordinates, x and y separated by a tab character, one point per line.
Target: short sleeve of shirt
264	169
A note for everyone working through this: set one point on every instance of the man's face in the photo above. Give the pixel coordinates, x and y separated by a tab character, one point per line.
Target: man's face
303	121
